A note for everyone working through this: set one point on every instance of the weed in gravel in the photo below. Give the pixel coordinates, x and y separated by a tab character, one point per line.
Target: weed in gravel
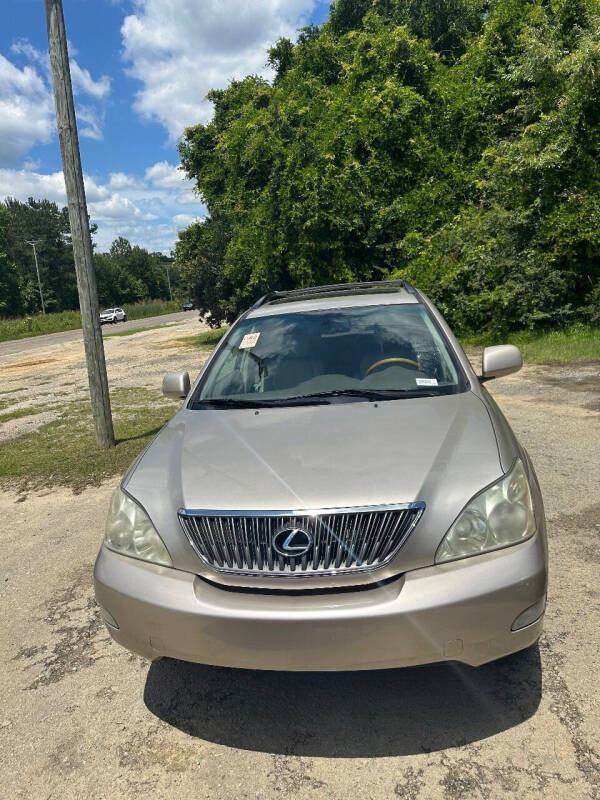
206	338
64	451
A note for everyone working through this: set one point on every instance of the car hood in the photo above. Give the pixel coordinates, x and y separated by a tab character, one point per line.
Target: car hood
341	454
440	450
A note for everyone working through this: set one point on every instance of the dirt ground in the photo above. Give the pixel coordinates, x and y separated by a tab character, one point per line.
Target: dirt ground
49	376
81	717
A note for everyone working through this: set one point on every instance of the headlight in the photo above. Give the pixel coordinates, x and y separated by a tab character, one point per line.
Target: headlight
500	516
130	532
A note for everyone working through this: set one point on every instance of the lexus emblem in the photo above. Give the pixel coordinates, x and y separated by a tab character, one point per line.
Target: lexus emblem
294	542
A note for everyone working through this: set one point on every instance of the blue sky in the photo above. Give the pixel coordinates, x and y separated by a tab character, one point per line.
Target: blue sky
140	71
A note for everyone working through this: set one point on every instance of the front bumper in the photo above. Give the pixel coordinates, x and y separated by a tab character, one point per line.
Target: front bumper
460	611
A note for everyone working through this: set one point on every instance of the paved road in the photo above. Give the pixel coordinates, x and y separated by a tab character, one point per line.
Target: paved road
37	342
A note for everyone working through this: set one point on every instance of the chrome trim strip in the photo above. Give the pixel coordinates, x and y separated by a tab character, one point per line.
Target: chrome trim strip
302	512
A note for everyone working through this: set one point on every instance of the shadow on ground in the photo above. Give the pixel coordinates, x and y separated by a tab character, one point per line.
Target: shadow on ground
346	714
143	435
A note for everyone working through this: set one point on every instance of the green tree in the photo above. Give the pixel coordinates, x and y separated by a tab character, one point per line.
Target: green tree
199	255
45	223
308	175
452	141
528	252
129	273
10	297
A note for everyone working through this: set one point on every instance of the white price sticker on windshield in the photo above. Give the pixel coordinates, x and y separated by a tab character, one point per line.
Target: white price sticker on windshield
426	381
249	340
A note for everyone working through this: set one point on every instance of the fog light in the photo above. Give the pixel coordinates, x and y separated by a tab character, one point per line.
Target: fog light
530	615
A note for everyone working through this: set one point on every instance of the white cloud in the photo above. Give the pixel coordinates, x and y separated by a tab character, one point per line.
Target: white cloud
184	220
26	110
26	183
121	180
125	205
179	49
25	48
164	174
83	82
31	164
92	127
27	105
117	207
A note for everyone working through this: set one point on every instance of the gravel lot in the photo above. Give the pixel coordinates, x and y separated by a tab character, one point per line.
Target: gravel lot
82	718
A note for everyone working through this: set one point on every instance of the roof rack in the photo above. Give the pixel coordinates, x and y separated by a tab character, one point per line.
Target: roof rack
334	288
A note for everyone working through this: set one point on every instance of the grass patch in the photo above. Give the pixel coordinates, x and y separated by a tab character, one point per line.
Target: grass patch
64	451
27	411
132	331
206	338
577	343
40	324
154	308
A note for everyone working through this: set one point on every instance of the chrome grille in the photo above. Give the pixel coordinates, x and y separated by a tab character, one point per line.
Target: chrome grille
340	540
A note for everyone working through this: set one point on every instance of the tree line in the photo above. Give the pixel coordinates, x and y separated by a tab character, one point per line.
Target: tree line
452	142
126	274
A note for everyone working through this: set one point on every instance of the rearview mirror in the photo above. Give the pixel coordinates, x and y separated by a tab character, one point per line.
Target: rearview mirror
176	385
499	360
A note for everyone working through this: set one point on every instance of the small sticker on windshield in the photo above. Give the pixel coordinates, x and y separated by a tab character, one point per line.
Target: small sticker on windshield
426	381
249	340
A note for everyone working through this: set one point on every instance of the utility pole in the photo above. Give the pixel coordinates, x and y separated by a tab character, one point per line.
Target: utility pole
169	281
80	225
37	269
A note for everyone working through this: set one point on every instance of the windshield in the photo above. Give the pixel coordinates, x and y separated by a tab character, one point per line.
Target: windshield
108	311
338	355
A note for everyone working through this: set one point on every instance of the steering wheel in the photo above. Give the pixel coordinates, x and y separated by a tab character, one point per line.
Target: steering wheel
393	360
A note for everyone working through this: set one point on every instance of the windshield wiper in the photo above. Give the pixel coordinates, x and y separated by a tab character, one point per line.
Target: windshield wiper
231	402
366	394
226	402
314	399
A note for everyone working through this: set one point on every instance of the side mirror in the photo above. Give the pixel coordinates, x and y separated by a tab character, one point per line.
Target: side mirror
176	385
499	360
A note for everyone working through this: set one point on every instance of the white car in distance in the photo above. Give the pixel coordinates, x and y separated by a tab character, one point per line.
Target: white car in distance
112	315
